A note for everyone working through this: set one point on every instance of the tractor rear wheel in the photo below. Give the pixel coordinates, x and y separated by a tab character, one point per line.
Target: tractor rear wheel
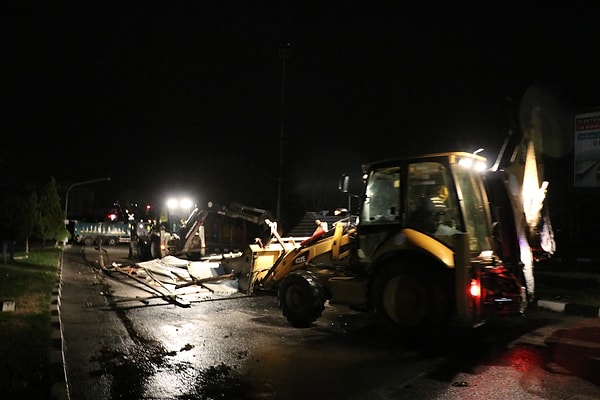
411	303
301	298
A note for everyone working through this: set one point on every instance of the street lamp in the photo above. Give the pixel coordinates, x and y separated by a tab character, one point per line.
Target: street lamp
78	184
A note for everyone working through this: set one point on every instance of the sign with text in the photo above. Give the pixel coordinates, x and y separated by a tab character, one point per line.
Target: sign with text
587	149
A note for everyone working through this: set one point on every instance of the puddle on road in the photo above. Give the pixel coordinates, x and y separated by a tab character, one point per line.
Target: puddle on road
152	372
148	369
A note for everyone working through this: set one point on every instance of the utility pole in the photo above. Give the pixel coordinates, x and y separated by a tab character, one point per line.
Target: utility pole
285	50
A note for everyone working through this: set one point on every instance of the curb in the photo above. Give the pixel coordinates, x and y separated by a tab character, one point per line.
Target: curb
59	389
582	310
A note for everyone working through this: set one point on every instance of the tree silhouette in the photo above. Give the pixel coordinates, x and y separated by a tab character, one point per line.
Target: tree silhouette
50	224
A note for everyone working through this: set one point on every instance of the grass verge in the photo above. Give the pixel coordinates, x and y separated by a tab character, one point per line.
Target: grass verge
25	333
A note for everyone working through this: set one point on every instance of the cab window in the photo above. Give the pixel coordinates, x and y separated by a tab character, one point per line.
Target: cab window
382	203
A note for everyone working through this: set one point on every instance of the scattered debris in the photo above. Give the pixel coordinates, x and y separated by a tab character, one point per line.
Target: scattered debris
170	278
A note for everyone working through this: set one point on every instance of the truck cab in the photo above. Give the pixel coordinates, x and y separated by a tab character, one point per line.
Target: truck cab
436	195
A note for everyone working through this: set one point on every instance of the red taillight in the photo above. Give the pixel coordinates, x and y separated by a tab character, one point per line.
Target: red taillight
475	289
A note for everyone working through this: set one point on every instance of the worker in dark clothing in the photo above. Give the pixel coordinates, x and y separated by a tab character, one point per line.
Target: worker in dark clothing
425	215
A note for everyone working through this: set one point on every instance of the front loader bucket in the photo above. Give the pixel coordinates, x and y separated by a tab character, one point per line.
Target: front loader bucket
253	265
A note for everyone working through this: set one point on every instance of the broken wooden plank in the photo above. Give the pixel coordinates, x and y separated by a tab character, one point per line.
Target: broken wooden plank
162	290
205	280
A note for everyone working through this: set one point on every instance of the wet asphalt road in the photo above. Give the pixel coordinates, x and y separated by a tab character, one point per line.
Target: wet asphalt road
121	340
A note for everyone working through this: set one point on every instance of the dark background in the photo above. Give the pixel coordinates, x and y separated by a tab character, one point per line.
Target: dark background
189	97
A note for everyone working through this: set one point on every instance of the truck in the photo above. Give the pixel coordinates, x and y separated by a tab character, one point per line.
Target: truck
110	233
207	231
419	252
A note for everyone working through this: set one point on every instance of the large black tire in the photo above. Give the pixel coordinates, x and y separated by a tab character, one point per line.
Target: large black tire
111	241
88	241
301	298
411	302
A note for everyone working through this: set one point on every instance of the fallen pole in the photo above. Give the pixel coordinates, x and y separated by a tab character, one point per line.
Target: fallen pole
169	296
205	280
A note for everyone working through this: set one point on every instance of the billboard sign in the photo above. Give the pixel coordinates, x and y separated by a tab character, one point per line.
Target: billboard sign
587	149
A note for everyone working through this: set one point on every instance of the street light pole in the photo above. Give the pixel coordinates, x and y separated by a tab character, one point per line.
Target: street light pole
285	50
78	184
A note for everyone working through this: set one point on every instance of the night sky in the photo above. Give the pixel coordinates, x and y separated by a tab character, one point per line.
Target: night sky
186	96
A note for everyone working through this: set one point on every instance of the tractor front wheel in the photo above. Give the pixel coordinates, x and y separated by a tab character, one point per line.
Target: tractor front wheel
301	298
